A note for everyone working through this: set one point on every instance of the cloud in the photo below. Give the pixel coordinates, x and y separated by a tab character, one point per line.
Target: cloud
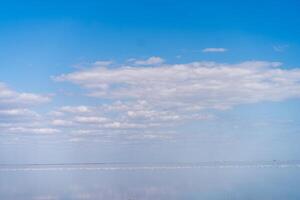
90	120
214	50
103	63
142	102
119	115
17	114
157	98
191	86
100	117
98	63
121	121
61	122
11	97
75	109
154	60
33	130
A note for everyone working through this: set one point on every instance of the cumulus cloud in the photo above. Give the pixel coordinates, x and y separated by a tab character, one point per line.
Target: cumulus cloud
214	50
9	96
191	86
169	95
17	114
121	121
154	98
119	115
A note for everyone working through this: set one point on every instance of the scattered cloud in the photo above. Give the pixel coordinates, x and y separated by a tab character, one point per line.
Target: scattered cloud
154	60
32	130
170	95
17	114
214	50
154	98
11	97
103	63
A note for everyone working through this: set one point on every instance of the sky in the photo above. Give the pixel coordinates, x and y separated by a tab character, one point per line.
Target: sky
149	81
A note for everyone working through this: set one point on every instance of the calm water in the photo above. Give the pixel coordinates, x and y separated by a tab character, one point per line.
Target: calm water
187	183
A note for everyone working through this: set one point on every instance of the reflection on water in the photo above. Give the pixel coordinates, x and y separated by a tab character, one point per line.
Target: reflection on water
184	183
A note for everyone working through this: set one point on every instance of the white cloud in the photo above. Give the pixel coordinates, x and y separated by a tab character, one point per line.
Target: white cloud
11	97
191	86
61	122
32	130
130	117
214	50
17	114
154	60
75	109
154	97
103	63
91	120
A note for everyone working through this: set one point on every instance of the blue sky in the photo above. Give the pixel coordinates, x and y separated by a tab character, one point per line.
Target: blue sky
209	80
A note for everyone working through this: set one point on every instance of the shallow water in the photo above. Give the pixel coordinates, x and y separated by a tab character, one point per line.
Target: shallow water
253	182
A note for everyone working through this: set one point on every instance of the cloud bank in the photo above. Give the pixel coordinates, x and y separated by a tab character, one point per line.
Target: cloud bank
144	102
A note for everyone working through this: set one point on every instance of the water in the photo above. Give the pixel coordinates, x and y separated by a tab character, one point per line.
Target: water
213	181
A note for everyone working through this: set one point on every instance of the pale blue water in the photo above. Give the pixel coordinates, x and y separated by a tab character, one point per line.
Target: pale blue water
190	183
